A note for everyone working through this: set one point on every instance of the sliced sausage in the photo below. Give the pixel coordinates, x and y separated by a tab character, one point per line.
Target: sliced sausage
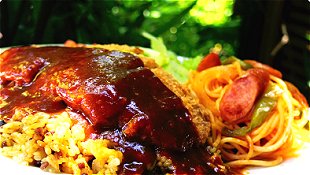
263	77
271	70
239	99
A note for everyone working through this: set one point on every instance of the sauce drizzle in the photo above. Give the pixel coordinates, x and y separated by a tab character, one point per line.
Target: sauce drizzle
122	100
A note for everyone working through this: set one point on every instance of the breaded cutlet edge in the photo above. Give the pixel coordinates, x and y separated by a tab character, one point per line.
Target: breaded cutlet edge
199	114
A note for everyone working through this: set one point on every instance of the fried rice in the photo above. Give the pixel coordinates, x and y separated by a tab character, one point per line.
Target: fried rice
55	144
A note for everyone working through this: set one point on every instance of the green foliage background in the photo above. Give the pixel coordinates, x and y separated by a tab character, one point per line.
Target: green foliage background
188	27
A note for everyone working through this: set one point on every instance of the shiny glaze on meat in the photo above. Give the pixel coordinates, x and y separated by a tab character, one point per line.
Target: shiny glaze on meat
120	98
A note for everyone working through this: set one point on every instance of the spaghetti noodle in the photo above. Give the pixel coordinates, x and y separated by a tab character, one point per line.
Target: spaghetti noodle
280	135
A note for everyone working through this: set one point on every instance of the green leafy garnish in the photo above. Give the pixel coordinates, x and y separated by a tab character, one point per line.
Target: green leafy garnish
178	66
158	45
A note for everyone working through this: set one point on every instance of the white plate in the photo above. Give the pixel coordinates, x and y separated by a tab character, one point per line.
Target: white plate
295	166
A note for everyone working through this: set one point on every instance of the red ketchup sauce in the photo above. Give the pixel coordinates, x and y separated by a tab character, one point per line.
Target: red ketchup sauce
122	101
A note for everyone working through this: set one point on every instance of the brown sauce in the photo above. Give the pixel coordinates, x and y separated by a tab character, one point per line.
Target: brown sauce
122	100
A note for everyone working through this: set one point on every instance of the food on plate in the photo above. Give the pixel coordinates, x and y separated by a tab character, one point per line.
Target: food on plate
257	118
100	109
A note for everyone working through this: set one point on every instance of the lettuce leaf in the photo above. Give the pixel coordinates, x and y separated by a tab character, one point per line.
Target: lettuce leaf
158	45
178	66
